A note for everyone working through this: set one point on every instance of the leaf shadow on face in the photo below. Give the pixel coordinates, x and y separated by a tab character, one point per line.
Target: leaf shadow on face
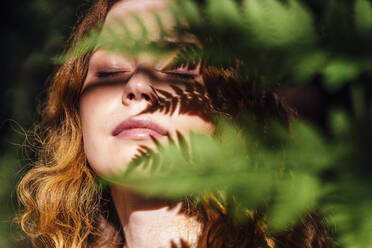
221	93
182	244
185	97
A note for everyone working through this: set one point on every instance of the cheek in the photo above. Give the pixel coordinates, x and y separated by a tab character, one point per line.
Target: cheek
98	96
96	108
185	124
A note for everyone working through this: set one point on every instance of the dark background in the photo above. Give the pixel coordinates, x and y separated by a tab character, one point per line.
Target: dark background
33	32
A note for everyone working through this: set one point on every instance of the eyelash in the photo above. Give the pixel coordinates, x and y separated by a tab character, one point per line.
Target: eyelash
181	75
106	74
174	74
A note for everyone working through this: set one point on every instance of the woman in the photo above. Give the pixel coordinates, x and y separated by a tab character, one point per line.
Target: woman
101	108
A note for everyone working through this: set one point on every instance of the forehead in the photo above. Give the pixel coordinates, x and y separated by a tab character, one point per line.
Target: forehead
126	10
139	6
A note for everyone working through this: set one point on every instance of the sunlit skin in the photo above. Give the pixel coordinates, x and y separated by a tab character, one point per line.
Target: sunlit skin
118	89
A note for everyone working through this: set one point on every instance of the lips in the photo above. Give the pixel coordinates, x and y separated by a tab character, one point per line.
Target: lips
139	130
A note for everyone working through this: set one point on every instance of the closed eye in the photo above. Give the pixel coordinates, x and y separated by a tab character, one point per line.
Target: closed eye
107	74
182	71
181	75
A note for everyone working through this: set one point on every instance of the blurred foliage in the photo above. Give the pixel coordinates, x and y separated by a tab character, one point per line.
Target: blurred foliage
322	166
238	163
290	172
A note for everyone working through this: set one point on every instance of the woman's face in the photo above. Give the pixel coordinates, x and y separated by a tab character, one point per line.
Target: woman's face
125	102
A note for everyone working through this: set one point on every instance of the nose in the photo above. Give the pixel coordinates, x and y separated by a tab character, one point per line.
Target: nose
138	89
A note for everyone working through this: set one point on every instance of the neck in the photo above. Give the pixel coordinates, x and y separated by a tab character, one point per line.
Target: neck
150	222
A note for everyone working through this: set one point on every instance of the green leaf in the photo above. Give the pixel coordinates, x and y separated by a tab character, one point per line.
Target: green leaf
363	15
338	72
223	13
295	197
191	11
274	24
308	150
339	122
308	65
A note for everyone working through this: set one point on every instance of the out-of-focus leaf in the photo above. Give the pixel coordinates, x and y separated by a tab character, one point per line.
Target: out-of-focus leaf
223	12
229	163
309	152
191	12
295	197
309	65
274	24
339	122
348	209
338	72
363	15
